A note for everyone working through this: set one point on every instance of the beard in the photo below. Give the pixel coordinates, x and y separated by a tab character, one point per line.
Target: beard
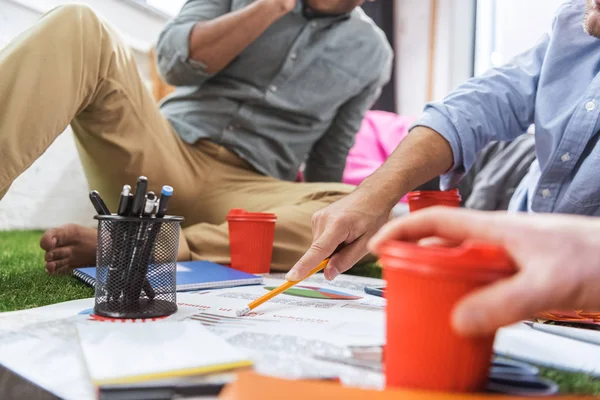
591	20
333	6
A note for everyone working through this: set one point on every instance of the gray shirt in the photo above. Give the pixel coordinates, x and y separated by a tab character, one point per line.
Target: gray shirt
297	94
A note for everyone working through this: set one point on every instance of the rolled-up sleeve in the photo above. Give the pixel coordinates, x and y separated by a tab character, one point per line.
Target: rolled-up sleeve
173	47
327	159
498	105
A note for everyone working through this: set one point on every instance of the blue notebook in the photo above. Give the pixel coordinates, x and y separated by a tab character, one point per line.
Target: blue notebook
192	275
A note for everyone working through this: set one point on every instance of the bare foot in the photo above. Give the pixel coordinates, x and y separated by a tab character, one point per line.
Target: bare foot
69	246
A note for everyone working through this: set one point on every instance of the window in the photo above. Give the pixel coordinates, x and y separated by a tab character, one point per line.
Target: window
170	7
506	28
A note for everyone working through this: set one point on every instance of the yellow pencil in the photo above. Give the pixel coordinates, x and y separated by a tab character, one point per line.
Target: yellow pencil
279	290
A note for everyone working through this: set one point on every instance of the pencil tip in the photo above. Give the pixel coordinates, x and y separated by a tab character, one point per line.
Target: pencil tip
242	312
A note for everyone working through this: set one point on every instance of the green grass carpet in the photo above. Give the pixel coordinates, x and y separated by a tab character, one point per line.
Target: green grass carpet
23	280
25	284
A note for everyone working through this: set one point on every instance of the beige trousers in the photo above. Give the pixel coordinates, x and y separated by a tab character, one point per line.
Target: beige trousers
71	68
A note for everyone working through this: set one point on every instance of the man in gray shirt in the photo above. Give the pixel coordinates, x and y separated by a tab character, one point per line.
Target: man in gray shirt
262	87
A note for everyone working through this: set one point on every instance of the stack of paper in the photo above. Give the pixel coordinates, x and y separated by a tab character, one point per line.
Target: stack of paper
128	353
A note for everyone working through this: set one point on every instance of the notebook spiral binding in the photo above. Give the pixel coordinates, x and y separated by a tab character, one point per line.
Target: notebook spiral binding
88	280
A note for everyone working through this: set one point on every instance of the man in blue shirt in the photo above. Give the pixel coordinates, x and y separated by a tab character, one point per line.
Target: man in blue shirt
555	86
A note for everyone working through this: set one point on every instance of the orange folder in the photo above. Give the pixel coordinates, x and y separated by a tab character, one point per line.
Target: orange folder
251	386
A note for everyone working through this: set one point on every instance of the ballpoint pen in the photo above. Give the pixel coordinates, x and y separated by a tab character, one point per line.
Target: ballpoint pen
120	262
150	204
125	202
150	238
111	280
98	203
139	197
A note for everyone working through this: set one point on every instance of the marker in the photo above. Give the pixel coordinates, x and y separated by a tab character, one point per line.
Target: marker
125	202
140	196
150	204
165	195
98	203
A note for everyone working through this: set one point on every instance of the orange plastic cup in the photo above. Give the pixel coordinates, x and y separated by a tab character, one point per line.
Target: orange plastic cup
429	198
251	238
423	286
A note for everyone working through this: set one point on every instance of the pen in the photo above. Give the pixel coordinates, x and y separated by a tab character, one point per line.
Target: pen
133	285
125	201
121	258
98	203
102	209
279	290
150	204
165	195
148	246
139	197
583	335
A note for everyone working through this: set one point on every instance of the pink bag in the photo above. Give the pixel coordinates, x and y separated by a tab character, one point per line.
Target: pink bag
380	133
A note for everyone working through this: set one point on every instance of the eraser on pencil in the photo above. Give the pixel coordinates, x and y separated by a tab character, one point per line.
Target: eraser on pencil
242	312
167	191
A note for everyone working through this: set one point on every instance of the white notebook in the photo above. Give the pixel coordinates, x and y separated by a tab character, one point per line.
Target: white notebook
118	353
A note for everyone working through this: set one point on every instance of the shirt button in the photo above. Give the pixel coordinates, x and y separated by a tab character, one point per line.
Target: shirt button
313	24
546	193
566	157
273	88
293	56
590	105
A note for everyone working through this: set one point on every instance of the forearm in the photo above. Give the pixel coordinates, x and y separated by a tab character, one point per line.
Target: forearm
217	42
422	156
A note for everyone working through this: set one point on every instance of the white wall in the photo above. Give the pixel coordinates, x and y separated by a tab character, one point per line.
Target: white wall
53	191
453	51
513	27
504	29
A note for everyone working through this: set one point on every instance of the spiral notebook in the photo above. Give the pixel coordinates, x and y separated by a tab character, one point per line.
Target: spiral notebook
192	275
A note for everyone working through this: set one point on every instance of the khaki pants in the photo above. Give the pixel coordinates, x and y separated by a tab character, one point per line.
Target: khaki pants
71	68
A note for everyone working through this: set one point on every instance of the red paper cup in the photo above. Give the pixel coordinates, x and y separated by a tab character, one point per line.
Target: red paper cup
251	238
429	198
423	286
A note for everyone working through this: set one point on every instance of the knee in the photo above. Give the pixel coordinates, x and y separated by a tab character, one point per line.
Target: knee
72	13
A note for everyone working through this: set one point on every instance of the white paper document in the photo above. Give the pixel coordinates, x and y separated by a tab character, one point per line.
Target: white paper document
41	345
125	353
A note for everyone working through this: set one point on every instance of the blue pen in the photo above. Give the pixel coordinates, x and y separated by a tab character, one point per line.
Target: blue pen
165	195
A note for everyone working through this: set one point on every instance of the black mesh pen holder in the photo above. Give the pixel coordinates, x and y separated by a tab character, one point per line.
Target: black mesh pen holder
136	266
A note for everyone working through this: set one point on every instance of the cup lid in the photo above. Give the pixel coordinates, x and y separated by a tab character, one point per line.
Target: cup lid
468	259
239	214
436	194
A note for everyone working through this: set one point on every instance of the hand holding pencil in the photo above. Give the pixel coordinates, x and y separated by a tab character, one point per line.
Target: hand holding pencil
279	290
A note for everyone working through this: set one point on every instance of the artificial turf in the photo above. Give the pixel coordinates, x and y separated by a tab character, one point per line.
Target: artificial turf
25	284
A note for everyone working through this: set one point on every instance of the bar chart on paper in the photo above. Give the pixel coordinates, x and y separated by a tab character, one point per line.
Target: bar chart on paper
227	322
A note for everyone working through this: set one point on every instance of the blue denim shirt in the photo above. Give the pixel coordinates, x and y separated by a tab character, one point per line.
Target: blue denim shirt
555	86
